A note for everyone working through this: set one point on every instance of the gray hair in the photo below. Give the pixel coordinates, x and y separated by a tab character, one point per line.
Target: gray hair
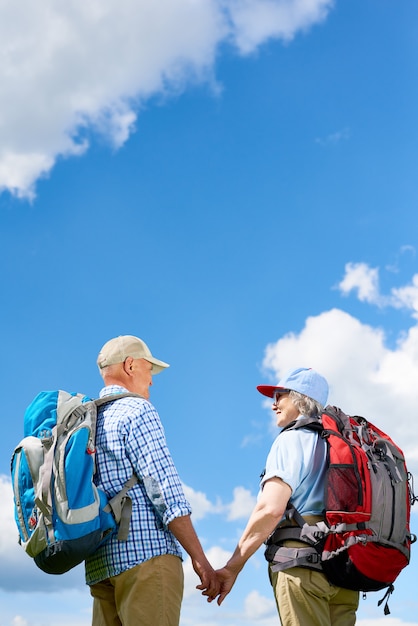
306	406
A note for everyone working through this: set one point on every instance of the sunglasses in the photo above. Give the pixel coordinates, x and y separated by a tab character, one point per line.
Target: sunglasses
277	394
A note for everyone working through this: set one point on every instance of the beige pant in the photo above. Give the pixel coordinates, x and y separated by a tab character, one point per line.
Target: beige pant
149	594
305	598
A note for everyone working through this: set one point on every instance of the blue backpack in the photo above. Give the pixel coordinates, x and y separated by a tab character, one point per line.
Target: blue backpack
61	515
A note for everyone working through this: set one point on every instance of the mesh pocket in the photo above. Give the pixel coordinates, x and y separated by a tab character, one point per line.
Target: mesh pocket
343	491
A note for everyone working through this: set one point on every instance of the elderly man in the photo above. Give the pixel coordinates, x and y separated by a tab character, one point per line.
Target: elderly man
295	473
140	581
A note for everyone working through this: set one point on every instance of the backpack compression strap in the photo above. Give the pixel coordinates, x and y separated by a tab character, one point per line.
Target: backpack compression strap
121	507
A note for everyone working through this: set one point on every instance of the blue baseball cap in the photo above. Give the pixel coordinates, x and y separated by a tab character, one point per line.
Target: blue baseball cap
304	380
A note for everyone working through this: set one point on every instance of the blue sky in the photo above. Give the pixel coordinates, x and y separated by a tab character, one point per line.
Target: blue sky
234	182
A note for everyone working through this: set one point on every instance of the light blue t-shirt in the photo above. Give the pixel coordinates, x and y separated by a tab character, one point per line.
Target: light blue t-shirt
298	457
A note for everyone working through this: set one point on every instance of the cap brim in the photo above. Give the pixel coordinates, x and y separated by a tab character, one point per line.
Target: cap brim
269	390
157	365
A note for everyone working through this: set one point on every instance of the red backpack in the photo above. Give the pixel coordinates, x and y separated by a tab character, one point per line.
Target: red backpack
365	540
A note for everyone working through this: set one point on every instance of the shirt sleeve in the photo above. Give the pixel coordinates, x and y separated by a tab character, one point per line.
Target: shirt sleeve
285	460
299	458
148	452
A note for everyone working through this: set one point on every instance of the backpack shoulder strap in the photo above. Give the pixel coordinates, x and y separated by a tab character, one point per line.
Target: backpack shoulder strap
116	396
313	423
99	402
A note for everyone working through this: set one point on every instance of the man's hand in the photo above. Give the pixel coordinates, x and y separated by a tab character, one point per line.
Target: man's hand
183	530
209	583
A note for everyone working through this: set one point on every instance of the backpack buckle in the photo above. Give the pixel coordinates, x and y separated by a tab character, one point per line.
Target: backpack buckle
314	557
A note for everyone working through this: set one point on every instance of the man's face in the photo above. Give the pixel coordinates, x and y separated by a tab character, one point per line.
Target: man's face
284	408
141	377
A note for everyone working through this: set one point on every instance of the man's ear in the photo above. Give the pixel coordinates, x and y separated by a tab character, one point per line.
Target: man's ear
127	365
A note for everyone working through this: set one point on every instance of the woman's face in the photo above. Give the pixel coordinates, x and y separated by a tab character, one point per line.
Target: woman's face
284	408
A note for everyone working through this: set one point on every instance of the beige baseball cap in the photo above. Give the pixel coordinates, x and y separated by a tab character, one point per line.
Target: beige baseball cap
118	349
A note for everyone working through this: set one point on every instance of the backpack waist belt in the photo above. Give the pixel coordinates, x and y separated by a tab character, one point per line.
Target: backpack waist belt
286	548
282	558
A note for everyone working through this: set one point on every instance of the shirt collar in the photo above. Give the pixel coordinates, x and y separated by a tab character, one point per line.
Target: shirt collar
111	390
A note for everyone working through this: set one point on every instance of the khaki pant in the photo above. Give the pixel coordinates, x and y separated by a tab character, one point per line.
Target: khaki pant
305	598
149	594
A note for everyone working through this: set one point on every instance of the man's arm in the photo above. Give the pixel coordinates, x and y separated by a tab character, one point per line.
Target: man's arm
183	530
267	513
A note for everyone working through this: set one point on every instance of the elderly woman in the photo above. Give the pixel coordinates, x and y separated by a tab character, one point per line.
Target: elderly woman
295	474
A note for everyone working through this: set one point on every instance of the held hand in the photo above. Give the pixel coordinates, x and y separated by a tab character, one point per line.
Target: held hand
226	579
209	584
182	529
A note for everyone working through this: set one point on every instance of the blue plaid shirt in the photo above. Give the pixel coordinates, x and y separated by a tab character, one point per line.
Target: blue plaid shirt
130	438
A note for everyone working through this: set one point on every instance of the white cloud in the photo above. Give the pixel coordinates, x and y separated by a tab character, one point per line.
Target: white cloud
407	297
19	621
201	506
394	266
334	138
256	21
251	440
364	281
71	69
67	608
18	571
257	607
216	556
242	504
365	376
240	507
